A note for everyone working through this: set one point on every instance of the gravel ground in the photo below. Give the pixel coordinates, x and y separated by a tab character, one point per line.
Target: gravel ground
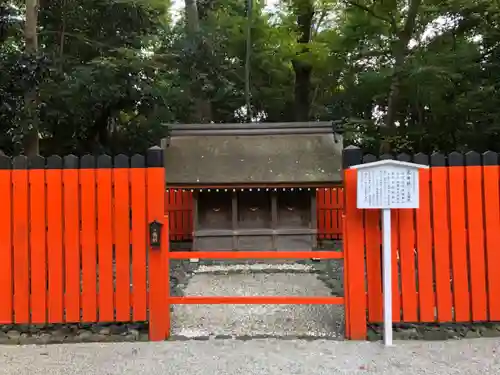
262	357
257	320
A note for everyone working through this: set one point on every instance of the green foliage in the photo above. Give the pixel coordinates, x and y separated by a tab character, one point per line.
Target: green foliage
109	73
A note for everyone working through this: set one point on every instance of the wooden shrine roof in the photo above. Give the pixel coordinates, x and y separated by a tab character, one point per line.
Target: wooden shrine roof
265	159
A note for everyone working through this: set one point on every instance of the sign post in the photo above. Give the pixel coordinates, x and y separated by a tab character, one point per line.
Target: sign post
386	185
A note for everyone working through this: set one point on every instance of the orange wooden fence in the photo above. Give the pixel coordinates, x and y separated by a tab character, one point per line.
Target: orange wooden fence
73	240
179	207
445	254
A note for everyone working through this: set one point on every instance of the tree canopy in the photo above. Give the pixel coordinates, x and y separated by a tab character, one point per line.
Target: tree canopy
104	75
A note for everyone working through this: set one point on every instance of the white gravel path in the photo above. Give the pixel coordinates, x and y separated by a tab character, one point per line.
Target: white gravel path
257	320
255	357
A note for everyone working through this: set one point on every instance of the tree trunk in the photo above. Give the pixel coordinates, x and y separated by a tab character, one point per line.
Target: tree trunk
304	10
202	111
400	51
31	142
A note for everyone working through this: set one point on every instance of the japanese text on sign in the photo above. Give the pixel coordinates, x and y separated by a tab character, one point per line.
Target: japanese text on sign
388	187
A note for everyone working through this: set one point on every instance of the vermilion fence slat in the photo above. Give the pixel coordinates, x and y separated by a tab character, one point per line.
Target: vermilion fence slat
476	242
139	251
460	269
355	260
441	243
373	265
122	237
105	239
320	212
38	255
55	240
71	219
20	235
187	214
424	251
6	272
328	213
396	290
340	205
409	299
491	178
88	239
159	314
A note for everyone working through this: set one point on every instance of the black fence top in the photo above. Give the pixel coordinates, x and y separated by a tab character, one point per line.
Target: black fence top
152	159
353	156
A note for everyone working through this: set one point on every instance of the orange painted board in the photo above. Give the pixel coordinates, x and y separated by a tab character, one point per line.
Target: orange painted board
20	199
89	244
459	258
105	244
71	207
355	260
327	212
441	232
55	246
409	298
425	259
157	285
374	265
38	250
256	254
491	177
139	240
165	250
396	292
256	300
122	242
347	304
6	256
475	221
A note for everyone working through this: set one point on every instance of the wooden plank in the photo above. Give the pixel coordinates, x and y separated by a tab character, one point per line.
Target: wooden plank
71	206
475	221
320	209
355	260
139	240
339	212
424	245
409	298
491	176
177	227
6	256
188	214
122	237
441	233
459	259
105	238
374	265
20	200
396	290
88	238
158	311
38	251
55	240
327	211
492	241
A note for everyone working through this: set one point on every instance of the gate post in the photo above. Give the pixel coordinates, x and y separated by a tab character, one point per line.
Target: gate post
354	251
157	256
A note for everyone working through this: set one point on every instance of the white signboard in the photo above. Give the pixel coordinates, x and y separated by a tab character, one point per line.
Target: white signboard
385	185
